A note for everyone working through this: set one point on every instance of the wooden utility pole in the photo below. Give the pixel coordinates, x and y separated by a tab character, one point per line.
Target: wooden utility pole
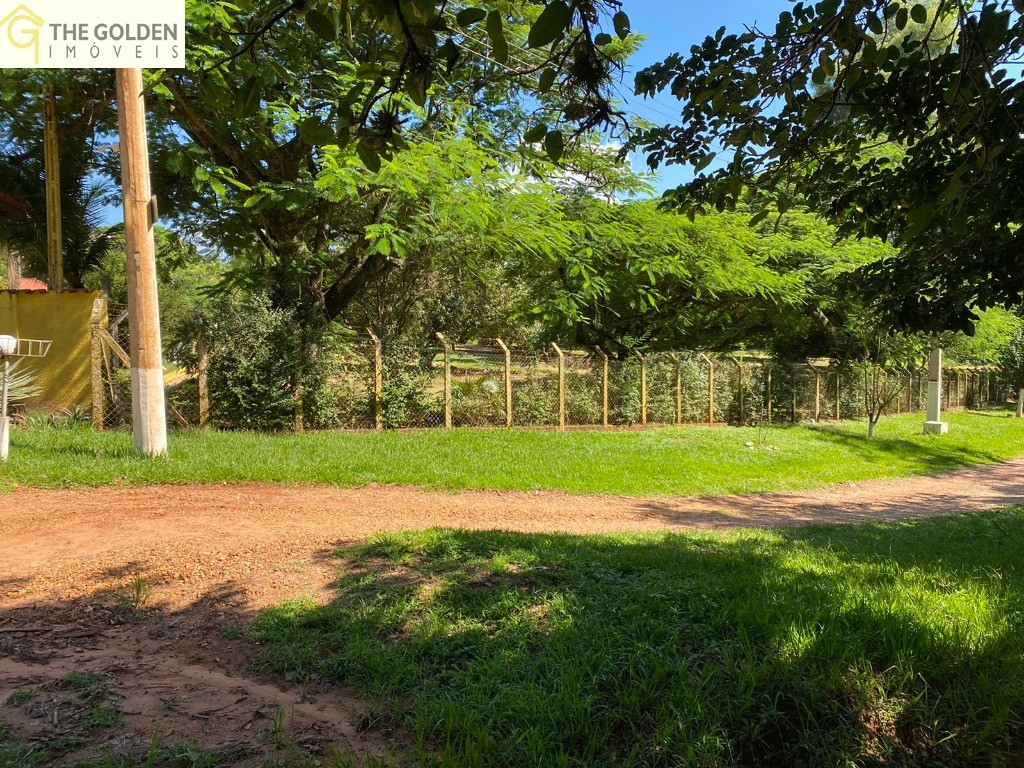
149	417
51	167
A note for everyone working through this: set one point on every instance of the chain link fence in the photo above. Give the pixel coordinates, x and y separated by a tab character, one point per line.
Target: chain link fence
371	385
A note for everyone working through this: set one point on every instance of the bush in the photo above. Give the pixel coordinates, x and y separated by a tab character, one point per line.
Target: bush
256	351
408	397
1011	360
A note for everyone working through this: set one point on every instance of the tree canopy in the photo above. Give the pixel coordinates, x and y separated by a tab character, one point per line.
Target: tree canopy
897	120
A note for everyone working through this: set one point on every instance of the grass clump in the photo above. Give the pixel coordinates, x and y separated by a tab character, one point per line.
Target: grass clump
898	644
20	697
661	462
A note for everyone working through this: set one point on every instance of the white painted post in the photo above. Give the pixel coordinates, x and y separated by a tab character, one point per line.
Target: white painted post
1020	404
934	424
5	420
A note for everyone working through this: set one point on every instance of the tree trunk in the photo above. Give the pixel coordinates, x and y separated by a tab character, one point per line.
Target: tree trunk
871	427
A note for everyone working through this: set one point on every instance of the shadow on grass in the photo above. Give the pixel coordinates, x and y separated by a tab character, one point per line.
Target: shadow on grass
870	645
934	455
877	644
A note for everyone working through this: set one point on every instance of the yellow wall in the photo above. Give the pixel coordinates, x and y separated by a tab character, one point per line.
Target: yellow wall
64	374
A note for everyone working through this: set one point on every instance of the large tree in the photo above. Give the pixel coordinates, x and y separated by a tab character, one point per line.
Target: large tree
306	151
902	121
84	113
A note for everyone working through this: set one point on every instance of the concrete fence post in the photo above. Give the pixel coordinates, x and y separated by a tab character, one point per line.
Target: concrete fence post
99	311
508	383
934	423
562	415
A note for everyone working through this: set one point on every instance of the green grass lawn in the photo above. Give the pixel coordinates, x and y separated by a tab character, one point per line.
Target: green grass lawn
872	645
661	462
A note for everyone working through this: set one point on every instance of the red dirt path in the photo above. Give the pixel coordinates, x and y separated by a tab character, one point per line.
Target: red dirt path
73	561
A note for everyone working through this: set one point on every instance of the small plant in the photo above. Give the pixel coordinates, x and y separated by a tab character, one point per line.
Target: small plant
137	593
21	383
230	632
171	705
19	697
276	731
104	717
89	685
74	415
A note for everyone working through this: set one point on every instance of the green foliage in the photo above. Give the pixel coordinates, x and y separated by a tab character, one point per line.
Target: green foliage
406	399
994	329
21	382
894	643
1011	360
252	372
351	156
896	128
83	113
390	63
633	276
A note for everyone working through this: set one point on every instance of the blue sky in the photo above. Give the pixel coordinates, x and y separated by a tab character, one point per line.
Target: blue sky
673	26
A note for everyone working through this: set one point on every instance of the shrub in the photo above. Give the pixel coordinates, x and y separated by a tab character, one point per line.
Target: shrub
257	351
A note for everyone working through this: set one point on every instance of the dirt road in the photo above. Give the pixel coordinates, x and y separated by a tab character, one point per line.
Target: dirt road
148	586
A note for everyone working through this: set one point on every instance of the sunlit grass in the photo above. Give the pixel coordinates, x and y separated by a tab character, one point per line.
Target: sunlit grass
898	644
658	462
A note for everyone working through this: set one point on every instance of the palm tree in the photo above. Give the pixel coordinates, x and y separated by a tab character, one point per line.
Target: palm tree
83	115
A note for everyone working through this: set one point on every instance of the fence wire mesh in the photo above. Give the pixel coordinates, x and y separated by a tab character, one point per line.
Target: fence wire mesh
396	386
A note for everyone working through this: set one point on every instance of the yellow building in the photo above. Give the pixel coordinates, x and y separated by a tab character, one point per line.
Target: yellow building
63	318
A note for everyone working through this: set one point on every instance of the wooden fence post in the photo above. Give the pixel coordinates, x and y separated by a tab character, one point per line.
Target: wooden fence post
99	310
605	376
711	388
643	389
447	381
817	394
298	391
508	383
378	381
839	394
741	420
679	387
792	384
921	378
561	386
202	373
